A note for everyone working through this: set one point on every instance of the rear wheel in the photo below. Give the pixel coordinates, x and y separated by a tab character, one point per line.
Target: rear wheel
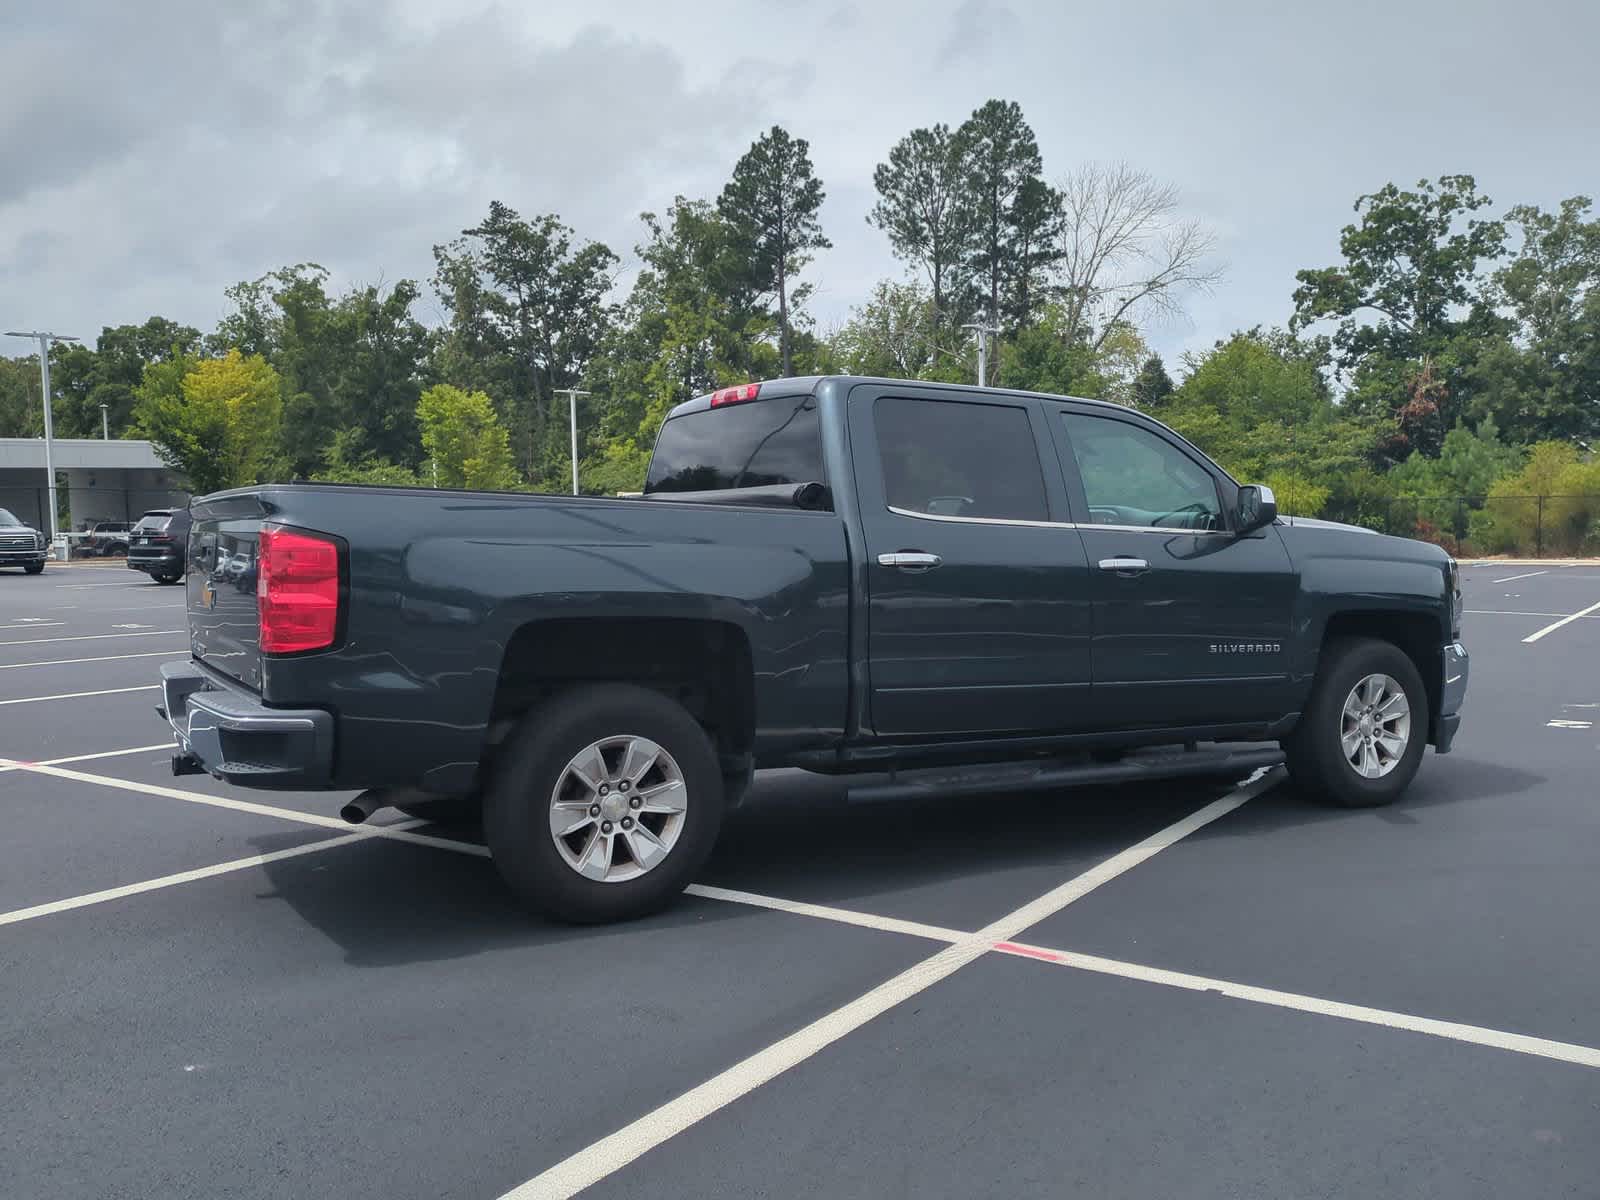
1360	741
167	576
605	804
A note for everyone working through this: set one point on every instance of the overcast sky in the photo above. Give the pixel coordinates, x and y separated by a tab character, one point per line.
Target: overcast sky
147	162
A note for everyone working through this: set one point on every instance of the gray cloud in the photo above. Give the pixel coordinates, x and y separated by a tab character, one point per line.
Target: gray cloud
150	155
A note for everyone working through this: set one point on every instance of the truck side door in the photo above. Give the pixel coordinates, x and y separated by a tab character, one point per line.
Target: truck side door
978	606
1191	622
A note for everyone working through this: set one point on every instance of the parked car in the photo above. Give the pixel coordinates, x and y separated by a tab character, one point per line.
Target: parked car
21	545
107	538
845	575
156	544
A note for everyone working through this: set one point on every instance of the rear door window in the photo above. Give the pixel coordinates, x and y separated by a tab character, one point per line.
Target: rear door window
956	459
758	443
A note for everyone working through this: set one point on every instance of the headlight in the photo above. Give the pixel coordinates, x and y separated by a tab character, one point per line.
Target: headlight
38	539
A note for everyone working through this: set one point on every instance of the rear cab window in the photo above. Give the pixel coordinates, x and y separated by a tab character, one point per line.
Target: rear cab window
755	443
153	522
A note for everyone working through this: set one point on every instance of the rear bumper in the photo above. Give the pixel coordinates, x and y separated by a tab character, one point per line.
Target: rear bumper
237	738
147	561
1452	695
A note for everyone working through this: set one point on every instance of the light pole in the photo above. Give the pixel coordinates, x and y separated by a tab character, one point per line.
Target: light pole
105	424
572	395
983	331
44	339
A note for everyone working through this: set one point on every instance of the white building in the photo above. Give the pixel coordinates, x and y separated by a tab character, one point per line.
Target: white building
96	480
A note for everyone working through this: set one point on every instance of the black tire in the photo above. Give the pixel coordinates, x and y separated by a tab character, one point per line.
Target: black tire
1314	752
168	577
516	816
34	568
453	811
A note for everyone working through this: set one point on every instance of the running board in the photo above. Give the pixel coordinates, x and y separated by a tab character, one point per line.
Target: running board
1052	774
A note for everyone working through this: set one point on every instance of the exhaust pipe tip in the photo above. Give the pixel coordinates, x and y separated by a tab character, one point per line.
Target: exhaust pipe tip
362	807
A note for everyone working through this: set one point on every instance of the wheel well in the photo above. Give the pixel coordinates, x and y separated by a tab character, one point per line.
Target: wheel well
1415	633
703	665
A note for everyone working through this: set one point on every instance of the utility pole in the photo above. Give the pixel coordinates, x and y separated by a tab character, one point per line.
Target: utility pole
982	331
572	395
105	424
44	339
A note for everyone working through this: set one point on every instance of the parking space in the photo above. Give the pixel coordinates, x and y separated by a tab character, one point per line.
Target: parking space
1184	989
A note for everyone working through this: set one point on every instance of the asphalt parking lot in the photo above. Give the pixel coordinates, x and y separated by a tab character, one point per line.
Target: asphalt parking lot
1177	990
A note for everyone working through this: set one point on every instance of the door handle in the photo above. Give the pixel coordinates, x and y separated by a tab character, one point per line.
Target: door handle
1124	566
910	560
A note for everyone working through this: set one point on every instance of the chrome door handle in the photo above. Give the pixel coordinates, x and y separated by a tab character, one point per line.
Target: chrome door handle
909	560
1131	566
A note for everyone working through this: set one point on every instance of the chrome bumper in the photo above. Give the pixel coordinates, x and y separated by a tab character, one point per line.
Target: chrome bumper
1452	695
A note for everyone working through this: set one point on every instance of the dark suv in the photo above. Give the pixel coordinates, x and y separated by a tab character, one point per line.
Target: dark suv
156	544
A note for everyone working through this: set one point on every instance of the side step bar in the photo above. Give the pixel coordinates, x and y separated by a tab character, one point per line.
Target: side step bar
1052	774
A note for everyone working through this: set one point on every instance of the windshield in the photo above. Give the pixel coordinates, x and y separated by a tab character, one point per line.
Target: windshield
6	517
755	444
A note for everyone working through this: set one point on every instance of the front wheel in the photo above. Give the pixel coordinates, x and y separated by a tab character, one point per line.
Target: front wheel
168	577
34	568
606	802
1360	741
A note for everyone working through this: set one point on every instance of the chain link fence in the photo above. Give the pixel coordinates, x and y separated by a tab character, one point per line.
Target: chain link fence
1523	526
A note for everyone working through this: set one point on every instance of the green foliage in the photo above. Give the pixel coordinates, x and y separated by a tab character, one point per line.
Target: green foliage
21	414
346	464
1259	405
216	420
1152	385
1551	504
925	206
771	205
894	334
1469	463
463	438
527	311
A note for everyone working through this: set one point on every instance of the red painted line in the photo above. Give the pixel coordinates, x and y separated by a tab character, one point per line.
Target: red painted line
1029	952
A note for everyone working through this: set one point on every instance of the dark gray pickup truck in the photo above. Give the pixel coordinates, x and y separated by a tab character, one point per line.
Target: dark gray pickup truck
942	586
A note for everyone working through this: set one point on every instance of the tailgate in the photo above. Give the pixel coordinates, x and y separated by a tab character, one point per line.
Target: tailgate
224	631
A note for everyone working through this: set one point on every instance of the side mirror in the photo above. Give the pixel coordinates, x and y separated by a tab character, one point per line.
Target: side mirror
1257	509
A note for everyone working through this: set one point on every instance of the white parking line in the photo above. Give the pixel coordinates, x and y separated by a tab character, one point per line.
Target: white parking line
844	916
593	1163
146	687
1555	625
1510	578
90	637
77	758
32	624
1583	1056
166	881
396	832
61	662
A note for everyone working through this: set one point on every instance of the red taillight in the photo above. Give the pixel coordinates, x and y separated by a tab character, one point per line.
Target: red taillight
735	395
297	591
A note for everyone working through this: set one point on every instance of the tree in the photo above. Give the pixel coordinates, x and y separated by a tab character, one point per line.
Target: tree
1470	462
771	203
896	334
527	311
1406	298
216	420
21	414
1543	381
1125	250
689	325
83	378
1003	170
465	440
925	206
1152	385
